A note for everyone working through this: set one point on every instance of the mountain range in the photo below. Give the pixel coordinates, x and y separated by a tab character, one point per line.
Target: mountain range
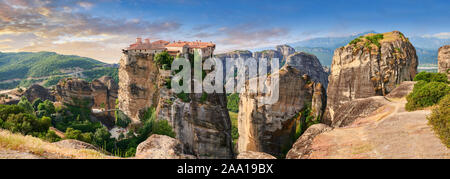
324	47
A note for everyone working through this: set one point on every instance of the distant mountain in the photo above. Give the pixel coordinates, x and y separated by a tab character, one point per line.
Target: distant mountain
429	43
324	47
328	42
25	68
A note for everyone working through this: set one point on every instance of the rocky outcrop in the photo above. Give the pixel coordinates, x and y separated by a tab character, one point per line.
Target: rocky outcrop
286	51
369	66
201	121
302	148
161	147
138	90
374	128
319	101
105	93
356	109
270	128
254	155
75	92
402	90
202	124
444	60
310	65
37	91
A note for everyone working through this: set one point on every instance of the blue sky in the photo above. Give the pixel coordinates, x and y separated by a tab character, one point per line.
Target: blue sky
99	29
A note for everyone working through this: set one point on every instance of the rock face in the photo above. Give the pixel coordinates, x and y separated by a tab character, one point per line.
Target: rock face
369	68
105	93
138	90
100	94
301	148
270	128
285	50
254	155
75	92
37	91
444	60
309	64
161	147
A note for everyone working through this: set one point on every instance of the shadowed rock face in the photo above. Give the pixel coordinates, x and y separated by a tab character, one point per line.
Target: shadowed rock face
37	91
270	128
444	60
361	71
310	65
285	50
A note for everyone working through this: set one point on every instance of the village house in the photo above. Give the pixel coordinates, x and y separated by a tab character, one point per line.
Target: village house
174	48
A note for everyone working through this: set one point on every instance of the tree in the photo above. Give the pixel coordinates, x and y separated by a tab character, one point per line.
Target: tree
164	60
36	103
26	104
101	136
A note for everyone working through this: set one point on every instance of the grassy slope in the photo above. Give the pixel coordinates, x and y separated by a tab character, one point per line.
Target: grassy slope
31	146
25	64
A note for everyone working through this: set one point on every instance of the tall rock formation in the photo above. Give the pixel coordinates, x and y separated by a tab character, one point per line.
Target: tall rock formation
444	60
201	121
270	128
372	65
138	89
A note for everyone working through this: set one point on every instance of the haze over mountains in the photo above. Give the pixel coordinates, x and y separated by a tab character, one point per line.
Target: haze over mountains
324	47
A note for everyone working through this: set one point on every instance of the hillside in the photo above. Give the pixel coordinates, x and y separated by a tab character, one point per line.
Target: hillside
26	68
16	146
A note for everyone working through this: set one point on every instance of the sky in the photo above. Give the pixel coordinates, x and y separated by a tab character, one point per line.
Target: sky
101	28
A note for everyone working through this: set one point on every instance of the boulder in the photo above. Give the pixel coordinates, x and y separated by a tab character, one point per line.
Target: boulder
302	148
161	147
254	155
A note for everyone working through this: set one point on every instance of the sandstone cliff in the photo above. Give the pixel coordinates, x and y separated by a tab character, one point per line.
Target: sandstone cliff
372	65
444	60
271	128
138	90
309	64
201	121
75	92
286	51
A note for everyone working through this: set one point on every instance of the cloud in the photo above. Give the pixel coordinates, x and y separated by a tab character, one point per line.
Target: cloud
85	5
442	35
56	25
251	36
